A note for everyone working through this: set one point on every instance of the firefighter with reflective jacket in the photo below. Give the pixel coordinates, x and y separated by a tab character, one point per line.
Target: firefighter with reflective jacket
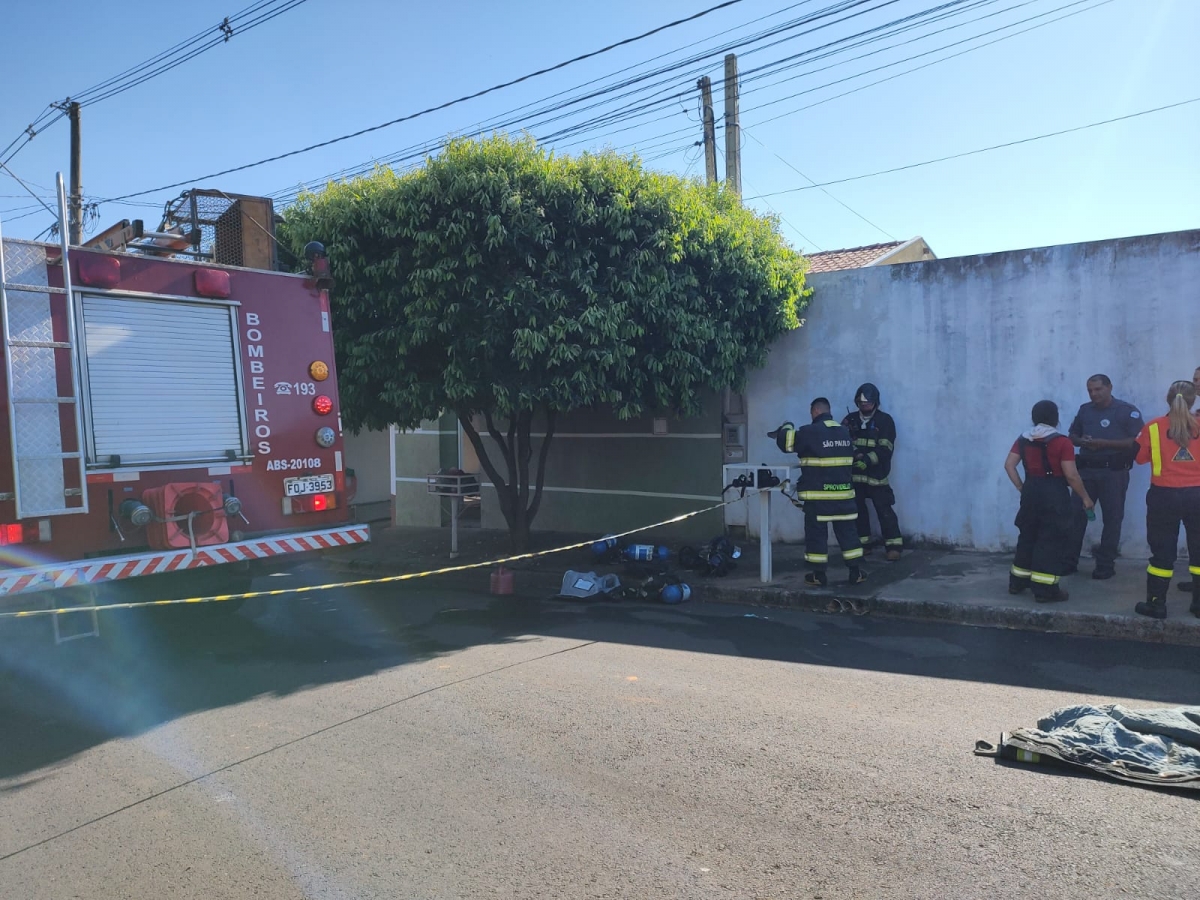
826	491
874	434
1171	444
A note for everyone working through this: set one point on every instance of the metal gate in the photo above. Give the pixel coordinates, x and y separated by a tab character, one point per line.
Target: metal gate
45	425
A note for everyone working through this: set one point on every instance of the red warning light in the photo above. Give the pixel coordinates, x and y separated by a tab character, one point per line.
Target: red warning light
319	502
322	405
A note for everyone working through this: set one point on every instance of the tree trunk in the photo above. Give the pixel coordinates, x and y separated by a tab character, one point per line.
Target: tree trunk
518	504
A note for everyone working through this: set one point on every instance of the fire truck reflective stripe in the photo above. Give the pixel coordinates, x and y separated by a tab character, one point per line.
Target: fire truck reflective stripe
17	581
110	477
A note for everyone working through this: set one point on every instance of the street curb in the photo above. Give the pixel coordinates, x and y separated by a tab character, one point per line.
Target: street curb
1178	631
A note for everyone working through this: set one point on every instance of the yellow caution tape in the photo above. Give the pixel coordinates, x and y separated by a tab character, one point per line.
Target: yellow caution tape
408	576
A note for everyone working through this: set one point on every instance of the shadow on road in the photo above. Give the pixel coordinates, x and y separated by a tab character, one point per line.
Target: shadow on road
151	667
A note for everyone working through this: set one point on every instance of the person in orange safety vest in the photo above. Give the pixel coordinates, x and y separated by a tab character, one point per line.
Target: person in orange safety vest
1171	445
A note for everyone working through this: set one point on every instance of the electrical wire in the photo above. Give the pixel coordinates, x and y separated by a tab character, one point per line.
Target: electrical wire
835	199
965	153
647	107
447	104
240	22
14	176
889	78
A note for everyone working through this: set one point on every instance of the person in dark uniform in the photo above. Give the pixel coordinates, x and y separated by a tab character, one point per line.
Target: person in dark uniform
826	491
874	434
1044	518
1171	444
1104	429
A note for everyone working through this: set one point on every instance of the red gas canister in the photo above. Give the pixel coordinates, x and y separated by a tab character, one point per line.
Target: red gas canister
502	581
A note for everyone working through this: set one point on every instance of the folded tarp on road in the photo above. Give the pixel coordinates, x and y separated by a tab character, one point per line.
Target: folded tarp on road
1144	746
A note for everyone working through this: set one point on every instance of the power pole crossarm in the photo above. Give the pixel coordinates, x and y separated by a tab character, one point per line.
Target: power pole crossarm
710	131
733	132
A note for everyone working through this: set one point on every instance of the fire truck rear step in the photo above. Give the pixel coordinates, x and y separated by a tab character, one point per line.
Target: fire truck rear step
37	428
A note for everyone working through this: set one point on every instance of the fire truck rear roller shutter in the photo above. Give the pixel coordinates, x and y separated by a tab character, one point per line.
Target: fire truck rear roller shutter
162	380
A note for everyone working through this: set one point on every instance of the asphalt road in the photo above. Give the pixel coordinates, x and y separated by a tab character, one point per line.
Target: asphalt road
411	741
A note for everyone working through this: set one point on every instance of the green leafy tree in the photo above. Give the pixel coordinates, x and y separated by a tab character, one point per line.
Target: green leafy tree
503	282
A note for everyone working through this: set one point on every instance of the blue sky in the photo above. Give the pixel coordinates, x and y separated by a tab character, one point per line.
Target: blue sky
328	67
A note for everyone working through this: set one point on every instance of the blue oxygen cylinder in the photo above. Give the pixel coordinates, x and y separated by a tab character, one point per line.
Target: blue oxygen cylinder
645	553
676	593
602	546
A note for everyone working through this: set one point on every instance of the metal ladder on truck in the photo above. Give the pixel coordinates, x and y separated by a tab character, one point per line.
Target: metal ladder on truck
45	422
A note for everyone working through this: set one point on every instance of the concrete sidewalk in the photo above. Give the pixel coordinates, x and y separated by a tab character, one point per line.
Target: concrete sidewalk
964	587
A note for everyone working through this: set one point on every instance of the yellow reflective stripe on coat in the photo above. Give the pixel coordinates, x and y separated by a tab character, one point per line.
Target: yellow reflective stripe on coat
873	482
829	423
1043	578
856	553
1194	570
827	461
1021	573
1160	573
873	457
849	517
1155	450
864	442
827	495
886	444
816	557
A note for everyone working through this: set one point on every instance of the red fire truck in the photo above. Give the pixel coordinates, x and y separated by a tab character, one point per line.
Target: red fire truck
172	407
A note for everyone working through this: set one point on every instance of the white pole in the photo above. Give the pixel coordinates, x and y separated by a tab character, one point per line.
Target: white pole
764	536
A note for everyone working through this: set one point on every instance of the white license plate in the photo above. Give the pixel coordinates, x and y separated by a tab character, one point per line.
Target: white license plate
310	484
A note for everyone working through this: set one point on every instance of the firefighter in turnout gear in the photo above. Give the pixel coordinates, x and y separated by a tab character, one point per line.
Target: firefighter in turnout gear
874	434
1044	517
1171	444
826	491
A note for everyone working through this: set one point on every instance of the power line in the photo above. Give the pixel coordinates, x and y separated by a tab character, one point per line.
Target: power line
651	106
1096	5
941	159
899	62
447	104
168	59
837	200
13	175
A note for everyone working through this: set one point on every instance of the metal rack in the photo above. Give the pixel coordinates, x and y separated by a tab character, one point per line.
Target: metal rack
456	487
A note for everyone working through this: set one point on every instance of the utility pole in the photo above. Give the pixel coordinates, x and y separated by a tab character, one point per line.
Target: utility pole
733	132
75	203
710	131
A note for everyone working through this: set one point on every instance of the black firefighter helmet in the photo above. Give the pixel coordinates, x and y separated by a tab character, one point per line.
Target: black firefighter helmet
867	393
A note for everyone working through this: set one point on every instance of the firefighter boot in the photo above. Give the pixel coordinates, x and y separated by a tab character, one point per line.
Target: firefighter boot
1017	584
1152	606
815	578
856	575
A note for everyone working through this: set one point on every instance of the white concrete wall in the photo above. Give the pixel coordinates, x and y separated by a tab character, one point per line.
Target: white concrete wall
368	454
961	350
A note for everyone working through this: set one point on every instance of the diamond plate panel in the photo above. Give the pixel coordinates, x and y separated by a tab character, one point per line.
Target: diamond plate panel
42	487
33	375
29	316
38	432
25	263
